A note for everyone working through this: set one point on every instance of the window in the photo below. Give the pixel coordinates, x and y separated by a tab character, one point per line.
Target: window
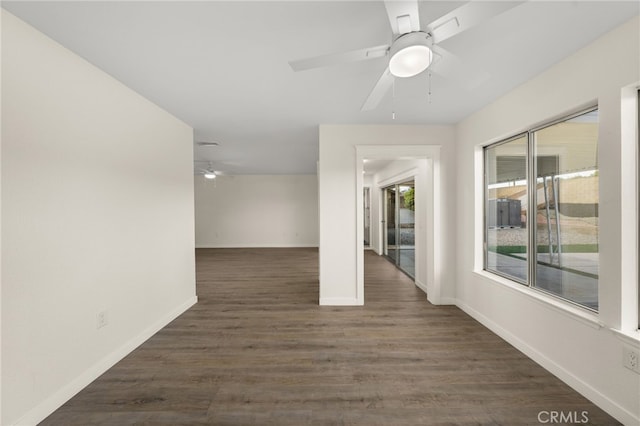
541	209
506	204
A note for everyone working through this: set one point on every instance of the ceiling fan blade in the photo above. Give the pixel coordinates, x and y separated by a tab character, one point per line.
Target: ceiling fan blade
451	67
379	90
465	17
403	16
339	58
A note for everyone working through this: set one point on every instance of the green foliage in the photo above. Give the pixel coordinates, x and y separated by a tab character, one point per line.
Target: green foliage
409	199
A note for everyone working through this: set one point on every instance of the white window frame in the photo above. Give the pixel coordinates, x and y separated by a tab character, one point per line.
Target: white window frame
630	207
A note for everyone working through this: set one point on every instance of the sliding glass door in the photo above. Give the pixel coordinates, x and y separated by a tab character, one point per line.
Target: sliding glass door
399	226
406	228
390	249
367	217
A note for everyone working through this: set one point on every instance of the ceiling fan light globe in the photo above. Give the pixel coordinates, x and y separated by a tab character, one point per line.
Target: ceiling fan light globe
410	61
410	54
210	175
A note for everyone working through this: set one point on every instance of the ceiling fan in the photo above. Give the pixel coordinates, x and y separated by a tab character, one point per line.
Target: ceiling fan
209	172
414	49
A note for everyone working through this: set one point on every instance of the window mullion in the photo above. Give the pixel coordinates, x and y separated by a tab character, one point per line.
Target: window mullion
485	209
532	187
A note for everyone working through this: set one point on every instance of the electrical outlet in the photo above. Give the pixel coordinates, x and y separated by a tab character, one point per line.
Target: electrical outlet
631	359
103	319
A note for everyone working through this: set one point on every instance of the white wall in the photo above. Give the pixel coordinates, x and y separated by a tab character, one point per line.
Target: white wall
97	215
579	348
338	176
1	323
257	211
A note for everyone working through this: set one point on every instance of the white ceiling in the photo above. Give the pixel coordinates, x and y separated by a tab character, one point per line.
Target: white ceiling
222	67
372	167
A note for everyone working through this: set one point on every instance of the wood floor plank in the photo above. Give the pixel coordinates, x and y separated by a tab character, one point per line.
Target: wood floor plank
258	350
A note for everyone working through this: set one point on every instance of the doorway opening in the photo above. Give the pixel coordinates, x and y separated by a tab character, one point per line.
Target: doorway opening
427	227
399	221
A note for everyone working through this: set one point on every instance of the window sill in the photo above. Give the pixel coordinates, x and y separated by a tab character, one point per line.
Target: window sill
582	315
631	338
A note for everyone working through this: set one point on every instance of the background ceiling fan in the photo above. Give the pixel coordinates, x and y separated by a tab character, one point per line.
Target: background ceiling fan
209	172
414	49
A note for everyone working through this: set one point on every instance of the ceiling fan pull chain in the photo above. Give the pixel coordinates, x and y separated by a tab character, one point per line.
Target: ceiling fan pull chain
429	85
393	100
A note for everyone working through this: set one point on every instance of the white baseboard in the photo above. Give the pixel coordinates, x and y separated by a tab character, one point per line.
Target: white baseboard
620	413
422	286
257	245
340	301
442	301
55	401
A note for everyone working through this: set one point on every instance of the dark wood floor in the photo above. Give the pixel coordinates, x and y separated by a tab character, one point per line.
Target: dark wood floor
258	350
